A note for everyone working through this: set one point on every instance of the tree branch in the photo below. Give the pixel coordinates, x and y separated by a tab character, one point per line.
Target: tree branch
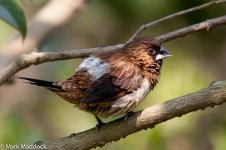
208	25
35	58
50	18
213	95
27	60
149	25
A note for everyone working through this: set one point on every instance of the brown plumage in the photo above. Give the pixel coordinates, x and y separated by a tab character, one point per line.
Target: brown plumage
112	83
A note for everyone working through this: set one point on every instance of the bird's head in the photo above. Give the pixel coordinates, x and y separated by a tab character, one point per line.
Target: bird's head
146	50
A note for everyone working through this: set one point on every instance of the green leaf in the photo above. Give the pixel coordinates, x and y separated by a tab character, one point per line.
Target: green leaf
12	13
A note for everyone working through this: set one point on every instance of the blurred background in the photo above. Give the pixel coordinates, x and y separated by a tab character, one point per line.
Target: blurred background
29	114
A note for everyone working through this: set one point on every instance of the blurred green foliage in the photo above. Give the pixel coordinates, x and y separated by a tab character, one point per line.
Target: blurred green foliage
12	13
197	60
17	131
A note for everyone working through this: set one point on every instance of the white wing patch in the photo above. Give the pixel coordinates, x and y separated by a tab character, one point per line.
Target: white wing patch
96	67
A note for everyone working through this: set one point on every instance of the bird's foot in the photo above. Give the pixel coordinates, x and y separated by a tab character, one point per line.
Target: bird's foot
130	113
99	123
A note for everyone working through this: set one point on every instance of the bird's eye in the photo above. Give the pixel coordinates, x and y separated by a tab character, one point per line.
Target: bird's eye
151	51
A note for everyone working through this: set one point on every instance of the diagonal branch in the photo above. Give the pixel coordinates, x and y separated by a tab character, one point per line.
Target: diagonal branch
27	60
151	24
208	25
213	95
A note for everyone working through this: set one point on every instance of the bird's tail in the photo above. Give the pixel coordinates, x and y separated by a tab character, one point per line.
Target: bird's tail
47	84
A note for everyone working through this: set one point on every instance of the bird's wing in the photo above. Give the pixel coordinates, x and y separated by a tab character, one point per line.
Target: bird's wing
123	78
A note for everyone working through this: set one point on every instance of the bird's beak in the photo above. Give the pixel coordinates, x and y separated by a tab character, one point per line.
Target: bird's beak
163	54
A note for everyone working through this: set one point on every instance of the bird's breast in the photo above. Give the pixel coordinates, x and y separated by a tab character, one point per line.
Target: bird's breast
130	101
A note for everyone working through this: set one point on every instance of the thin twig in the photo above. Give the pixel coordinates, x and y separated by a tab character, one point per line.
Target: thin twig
208	25
147	118
25	61
149	25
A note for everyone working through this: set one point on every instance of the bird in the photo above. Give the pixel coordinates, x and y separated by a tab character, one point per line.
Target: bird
112	83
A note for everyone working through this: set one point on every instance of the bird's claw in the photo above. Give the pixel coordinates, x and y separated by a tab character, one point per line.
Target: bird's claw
99	125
